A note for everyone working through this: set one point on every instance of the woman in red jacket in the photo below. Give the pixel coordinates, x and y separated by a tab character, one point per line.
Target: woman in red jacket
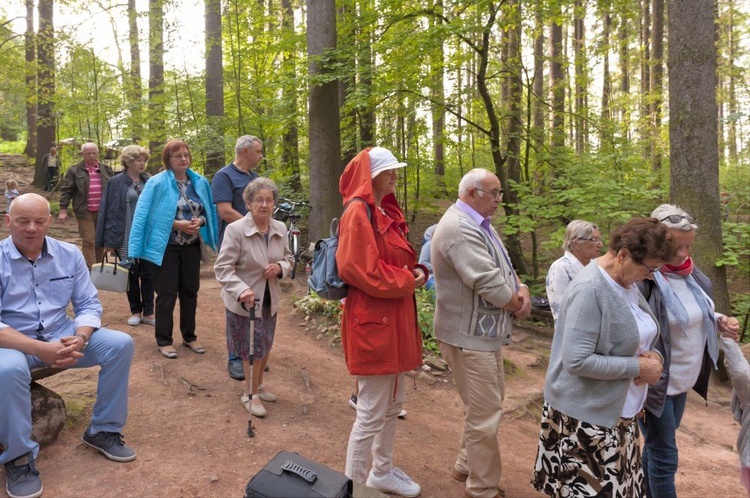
379	330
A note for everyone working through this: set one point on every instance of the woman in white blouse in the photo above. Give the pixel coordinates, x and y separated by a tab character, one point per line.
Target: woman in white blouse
582	243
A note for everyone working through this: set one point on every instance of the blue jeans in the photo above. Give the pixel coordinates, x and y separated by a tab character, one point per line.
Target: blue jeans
111	349
660	449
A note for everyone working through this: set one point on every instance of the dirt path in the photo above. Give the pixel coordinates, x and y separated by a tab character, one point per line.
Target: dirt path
193	444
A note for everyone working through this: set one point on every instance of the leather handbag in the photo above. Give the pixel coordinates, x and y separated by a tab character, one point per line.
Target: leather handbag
108	276
289	474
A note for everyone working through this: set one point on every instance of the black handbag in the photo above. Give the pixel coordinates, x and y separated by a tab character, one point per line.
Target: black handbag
291	475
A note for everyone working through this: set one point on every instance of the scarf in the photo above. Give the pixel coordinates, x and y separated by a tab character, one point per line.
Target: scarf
675	306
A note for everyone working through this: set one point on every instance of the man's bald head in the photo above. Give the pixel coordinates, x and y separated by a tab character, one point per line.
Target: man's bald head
29	201
28	221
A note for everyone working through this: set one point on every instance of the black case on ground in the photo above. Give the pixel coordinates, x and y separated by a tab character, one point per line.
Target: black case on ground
289	475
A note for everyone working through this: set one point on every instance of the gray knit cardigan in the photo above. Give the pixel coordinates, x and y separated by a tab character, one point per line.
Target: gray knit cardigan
594	349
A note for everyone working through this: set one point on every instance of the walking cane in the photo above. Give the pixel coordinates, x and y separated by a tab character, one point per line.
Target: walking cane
250	355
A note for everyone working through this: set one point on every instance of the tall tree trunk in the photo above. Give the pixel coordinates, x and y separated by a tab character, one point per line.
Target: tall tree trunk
365	72
557	79
694	156
581	81
623	34
30	149
437	107
656	94
134	88
606	75
325	161
47	123
214	88
732	109
290	140
644	36
157	132
538	102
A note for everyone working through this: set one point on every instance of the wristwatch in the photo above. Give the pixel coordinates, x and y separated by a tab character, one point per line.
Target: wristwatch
85	340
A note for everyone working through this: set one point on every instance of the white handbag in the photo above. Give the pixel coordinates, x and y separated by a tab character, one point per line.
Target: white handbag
110	276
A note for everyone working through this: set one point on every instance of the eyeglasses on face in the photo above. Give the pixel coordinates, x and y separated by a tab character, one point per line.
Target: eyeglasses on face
180	157
595	240
648	268
497	194
676	218
263	202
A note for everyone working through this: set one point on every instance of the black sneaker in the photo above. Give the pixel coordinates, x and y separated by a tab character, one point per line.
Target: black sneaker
22	479
111	444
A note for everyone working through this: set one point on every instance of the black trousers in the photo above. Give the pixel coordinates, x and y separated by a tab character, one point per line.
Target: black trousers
141	290
178	276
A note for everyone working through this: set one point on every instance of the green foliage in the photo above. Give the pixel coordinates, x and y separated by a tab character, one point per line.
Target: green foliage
425	316
12	147
330	312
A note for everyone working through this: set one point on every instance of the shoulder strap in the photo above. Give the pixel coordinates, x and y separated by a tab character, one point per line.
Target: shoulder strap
367	206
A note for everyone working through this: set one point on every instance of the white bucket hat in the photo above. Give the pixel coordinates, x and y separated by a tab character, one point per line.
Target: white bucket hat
382	159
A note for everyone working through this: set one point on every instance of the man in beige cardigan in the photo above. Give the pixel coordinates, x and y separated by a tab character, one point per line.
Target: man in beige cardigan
478	295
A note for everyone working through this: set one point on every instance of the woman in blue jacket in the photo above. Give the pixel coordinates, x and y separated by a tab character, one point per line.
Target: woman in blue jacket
174	212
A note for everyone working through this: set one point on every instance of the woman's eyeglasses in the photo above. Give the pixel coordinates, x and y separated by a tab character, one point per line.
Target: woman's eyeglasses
676	218
650	270
180	156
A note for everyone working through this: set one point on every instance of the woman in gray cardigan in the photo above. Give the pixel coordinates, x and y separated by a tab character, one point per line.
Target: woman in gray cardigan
600	367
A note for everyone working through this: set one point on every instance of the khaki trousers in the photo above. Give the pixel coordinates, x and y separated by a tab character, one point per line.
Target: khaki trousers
480	381
379	402
87	231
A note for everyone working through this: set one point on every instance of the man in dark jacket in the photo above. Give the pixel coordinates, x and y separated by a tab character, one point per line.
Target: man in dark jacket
84	185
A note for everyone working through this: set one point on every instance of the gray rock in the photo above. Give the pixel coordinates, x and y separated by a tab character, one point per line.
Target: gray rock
47	414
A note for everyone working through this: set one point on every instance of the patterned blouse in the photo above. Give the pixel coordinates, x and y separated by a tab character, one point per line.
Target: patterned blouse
189	206
559	276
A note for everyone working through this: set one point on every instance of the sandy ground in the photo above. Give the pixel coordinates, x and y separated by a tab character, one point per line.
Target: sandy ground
191	440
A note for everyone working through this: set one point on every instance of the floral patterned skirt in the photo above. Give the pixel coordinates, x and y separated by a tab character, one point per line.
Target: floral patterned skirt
577	458
238	331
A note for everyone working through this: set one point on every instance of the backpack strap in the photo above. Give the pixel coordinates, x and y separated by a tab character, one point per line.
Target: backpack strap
334	228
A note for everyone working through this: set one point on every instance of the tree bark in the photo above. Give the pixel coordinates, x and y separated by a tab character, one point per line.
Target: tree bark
290	140
30	43
557	81
656	91
325	161
134	88
694	156
214	88
157	133
46	121
437	107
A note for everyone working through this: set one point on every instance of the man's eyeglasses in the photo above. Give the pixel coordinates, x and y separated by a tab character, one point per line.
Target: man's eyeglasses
497	194
676	218
595	240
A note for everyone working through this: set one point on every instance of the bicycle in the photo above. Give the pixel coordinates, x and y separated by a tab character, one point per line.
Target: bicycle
286	212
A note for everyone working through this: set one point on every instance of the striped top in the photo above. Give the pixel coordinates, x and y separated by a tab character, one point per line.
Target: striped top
95	188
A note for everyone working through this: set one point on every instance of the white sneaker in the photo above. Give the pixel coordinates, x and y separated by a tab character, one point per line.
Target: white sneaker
134	320
402	414
396	482
266	395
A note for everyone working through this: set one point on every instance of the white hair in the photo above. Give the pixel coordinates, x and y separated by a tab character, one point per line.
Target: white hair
663	212
472	179
577	229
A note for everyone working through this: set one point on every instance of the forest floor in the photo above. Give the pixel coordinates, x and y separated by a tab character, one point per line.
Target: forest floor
188	426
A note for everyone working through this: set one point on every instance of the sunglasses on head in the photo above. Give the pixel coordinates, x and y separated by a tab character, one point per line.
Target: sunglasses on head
676	218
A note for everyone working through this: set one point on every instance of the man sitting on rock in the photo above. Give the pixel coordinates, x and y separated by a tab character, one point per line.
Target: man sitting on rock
39	277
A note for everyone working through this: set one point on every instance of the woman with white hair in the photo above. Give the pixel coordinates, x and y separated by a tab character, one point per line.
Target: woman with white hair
581	244
680	296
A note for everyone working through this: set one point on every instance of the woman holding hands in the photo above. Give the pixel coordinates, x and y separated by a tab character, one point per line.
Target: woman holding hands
600	367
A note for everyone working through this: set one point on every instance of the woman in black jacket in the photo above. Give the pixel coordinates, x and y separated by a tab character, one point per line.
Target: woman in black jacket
113	229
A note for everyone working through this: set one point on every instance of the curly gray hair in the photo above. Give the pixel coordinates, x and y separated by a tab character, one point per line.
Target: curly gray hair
261	183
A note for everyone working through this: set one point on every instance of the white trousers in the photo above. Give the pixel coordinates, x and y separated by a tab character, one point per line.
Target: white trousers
379	402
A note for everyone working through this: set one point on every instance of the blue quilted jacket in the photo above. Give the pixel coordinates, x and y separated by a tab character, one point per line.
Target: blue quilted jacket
155	212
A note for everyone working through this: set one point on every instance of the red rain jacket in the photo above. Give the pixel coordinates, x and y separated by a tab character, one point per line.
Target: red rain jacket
379	330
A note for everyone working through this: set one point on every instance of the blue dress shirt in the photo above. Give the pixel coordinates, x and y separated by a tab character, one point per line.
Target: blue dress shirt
34	295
